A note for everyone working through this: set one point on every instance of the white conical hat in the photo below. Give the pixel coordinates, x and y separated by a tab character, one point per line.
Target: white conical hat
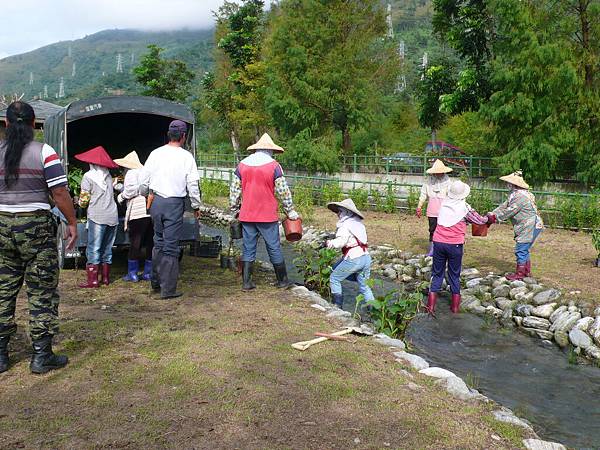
131	161
438	167
458	190
516	178
266	143
346	203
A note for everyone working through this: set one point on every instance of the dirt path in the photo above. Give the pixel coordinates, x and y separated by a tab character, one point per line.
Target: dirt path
560	258
216	370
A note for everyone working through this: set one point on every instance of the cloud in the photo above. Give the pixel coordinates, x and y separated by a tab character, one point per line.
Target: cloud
37	23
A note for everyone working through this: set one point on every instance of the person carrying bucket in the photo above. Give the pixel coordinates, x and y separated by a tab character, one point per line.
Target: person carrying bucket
351	238
253	194
138	222
448	241
521	210
433	191
97	196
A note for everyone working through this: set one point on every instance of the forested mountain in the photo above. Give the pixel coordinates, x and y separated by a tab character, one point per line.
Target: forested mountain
95	59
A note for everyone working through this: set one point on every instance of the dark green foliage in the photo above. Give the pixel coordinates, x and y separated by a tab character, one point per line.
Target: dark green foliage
437	81
360	197
310	155
481	200
315	266
164	78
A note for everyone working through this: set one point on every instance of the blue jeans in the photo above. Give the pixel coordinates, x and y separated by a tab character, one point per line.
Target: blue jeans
100	242
269	232
357	269
522	249
450	255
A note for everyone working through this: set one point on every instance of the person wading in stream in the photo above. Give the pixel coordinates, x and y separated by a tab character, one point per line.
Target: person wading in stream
351	238
448	241
433	192
257	184
98	197
171	174
31	173
521	210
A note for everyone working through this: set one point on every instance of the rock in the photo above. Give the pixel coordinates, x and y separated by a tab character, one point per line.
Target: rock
524	297
507	316
414	387
523	310
593	352
367	329
517	284
548	296
537	444
561	338
507	416
580	338
498	283
409	270
456	387
529	280
504	303
414	361
467	300
384	339
517	290
406	278
473	283
475	303
299	290
518	320
565	322
544	311
390	273
478	309
337	313
501	291
536	288
584	323
425	270
318	307
597	311
557	312
436	372
494	311
469	272
536	322
542	334
594	330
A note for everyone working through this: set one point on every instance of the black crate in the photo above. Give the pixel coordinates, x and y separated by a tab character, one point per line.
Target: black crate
207	247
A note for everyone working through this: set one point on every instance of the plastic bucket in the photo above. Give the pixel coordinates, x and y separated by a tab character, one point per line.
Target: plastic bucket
292	229
235	229
479	230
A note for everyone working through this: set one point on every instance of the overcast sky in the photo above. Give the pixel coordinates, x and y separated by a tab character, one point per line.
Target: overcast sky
29	24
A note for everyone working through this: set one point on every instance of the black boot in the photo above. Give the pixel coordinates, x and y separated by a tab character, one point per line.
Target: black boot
4	353
43	359
169	273
282	278
247	270
338	300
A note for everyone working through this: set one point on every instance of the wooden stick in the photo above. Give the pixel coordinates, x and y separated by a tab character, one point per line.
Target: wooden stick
332	337
306	344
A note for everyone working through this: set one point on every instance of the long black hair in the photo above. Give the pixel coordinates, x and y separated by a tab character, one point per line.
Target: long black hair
19	133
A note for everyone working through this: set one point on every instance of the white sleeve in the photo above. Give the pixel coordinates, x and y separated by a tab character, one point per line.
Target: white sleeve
144	175
192	172
342	236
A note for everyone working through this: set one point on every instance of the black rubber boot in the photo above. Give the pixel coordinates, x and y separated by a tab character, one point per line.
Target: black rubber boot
282	278
169	273
4	353
338	300
43	359
247	270
154	277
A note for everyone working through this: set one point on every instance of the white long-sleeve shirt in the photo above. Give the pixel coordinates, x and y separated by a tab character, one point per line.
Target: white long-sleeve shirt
347	231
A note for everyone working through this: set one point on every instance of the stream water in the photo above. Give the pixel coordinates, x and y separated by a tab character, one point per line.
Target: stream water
534	379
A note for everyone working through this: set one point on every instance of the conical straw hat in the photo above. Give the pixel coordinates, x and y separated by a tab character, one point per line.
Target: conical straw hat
131	161
459	190
516	178
266	143
346	203
98	156
438	167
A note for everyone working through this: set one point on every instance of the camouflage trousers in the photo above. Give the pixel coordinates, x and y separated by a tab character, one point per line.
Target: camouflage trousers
28	253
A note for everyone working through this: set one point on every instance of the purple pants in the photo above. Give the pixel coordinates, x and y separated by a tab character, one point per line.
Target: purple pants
446	255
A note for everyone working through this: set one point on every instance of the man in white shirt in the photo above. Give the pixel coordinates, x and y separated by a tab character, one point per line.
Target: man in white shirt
172	175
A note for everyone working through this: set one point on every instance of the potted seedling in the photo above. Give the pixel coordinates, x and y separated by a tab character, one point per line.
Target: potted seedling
596	243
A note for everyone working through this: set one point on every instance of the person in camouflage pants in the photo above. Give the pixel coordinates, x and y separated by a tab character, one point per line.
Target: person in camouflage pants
28	252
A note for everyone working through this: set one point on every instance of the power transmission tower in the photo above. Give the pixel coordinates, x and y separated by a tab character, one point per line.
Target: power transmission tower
425	61
30	78
119	63
74	71
390	25
45	91
61	88
70	51
132	59
402	50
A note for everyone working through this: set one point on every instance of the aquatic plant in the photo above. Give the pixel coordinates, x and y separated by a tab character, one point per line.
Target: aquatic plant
315	265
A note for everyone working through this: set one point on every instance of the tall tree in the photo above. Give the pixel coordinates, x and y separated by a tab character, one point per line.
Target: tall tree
328	65
436	82
165	78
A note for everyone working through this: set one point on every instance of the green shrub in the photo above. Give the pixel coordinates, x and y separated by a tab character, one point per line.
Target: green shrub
389	205
315	266
310	155
596	240
331	192
412	200
213	189
481	200
360	197
377	200
303	199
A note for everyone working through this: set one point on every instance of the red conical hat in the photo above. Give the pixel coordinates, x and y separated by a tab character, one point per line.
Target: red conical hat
97	156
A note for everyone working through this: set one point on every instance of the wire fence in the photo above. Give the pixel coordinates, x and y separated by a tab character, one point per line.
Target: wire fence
559	209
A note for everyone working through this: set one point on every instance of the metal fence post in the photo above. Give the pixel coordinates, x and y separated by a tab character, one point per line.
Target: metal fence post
354	164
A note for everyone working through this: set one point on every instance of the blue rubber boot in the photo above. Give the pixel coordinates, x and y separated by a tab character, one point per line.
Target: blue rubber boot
338	300
147	275
132	271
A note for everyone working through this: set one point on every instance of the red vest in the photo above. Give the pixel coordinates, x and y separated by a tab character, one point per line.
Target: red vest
258	193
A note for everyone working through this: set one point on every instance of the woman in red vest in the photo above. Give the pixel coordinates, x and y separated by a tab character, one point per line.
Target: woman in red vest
257	185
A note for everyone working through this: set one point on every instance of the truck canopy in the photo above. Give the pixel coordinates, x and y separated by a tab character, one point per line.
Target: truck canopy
120	124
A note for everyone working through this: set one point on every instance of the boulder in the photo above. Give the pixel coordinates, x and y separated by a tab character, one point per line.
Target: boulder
518	320
473	283
501	291
547	296
518	290
494	311
414	361
584	323
507	416
457	388
580	338
405	278
594	330
557	312
504	303
543	334
337	313
538	444
390	273
529	280
469	272
523	310
517	284
536	322
471	305
384	339
565	322
467	300
524	297
436	372
544	311
593	352
561	338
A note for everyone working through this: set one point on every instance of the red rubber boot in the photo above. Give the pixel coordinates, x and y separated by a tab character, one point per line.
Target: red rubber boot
431	301
92	276
455	303
105	274
528	268
520	273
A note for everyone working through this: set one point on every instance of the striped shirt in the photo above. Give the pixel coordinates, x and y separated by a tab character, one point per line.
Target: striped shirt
36	178
521	210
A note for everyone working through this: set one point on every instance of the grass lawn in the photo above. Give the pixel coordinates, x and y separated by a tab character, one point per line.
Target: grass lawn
560	258
215	370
